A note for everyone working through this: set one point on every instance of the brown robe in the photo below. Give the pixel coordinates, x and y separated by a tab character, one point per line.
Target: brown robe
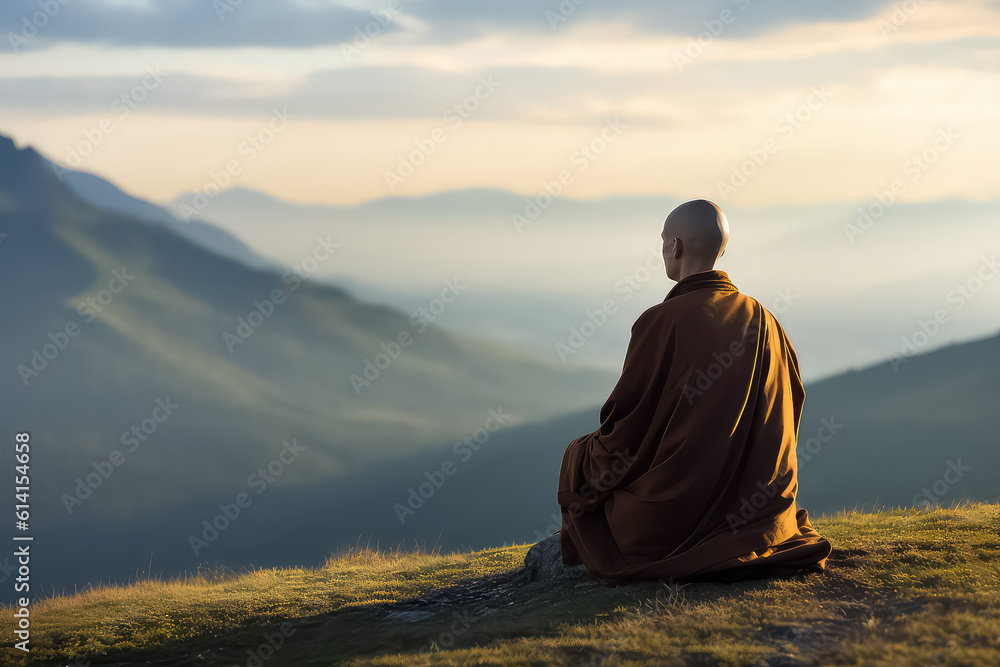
693	470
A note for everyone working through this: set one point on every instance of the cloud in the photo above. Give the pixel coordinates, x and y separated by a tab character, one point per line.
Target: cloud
461	19
616	49
181	23
514	94
776	29
356	118
290	24
726	90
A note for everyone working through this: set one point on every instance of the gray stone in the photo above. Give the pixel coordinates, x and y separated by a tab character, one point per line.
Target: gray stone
544	562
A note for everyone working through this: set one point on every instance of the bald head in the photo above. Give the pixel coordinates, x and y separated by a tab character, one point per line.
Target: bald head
694	238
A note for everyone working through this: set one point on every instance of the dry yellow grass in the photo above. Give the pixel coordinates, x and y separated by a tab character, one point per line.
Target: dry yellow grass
112	620
905	588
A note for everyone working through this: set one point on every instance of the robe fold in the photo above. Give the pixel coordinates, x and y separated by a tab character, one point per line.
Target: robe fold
693	470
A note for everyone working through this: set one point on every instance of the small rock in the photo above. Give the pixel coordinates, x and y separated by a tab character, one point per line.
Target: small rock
544	562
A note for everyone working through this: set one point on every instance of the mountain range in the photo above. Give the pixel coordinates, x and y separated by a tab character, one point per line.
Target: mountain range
124	336
849	279
173	428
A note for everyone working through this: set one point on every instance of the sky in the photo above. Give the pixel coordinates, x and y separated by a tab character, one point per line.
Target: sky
838	135
745	102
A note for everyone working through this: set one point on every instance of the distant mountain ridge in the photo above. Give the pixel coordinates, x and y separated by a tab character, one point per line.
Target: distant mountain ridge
101	193
114	317
576	251
918	433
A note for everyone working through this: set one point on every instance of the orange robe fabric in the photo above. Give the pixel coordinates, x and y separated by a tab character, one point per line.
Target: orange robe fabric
693	470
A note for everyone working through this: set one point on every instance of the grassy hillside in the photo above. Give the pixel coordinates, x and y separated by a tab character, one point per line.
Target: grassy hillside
904	587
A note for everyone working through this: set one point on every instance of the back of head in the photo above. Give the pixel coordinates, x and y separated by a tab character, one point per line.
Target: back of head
695	236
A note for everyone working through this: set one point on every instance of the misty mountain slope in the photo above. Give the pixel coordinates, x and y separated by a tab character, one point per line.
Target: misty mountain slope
830	282
893	438
898	433
103	194
161	335
99	192
502	492
505	492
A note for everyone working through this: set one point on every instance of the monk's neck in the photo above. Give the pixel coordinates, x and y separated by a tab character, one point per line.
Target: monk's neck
685	275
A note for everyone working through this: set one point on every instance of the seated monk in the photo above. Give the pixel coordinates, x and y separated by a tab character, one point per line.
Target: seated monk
692	473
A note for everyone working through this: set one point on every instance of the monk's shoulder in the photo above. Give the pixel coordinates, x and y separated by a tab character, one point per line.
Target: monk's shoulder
730	306
775	333
682	307
659	313
774	325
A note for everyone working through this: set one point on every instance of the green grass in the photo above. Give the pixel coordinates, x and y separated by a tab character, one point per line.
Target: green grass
904	588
